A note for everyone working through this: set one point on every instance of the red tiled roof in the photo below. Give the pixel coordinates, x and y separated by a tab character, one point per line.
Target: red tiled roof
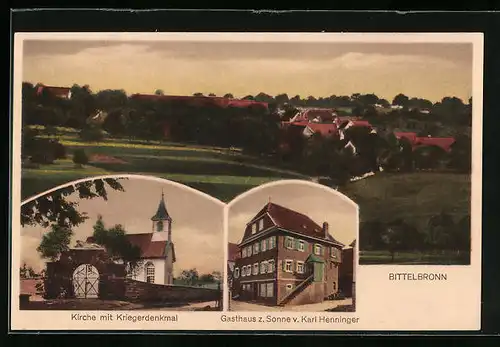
323	129
233	251
149	248
443	142
56	91
361	123
291	220
407	135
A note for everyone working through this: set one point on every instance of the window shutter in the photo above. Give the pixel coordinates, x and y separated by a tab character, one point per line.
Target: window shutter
283	264
284	241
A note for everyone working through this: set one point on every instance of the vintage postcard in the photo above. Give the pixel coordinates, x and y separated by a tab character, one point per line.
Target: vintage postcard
246	181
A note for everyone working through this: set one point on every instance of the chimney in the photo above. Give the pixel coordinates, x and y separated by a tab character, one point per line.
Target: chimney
325	229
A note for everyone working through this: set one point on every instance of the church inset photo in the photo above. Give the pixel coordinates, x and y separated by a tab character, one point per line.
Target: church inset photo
292	248
122	244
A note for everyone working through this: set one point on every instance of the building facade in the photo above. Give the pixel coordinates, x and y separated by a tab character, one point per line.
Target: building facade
286	259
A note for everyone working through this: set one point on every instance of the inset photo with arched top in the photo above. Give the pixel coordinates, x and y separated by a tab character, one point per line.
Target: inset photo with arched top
292	247
122	243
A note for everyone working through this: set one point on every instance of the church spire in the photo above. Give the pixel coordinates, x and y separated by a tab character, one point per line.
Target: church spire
161	213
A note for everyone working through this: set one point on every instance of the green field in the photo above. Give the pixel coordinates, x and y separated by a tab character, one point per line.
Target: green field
215	171
406	258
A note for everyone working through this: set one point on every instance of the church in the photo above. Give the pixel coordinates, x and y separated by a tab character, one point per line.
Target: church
157	249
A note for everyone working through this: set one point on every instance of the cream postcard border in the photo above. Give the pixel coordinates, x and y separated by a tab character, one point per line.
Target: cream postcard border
437	306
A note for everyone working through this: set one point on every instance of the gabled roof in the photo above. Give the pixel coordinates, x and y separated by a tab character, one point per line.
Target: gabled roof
149	248
161	212
407	135
293	221
233	251
443	142
323	129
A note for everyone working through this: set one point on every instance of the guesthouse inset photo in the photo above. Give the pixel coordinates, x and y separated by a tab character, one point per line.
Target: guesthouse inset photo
292	248
122	243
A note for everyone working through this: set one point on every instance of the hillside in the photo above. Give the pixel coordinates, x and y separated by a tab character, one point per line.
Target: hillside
413	197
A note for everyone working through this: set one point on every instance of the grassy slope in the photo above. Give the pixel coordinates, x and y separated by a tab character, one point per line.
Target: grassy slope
413	197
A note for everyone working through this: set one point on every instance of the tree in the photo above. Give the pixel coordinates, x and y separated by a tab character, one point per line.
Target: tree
228	96
461	154
463	235
440	230
55	208
399	236
401	100
281	99
212	95
159	92
370	235
116	243
80	158
91	133
55	242
198	94
207	278
190	276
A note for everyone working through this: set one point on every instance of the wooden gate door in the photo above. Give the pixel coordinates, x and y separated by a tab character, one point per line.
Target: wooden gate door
86	281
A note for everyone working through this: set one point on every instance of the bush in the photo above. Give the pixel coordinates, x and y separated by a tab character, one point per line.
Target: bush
59	150
42	158
91	133
80	157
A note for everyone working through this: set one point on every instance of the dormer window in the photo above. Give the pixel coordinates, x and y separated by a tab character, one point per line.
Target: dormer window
261	224
254	228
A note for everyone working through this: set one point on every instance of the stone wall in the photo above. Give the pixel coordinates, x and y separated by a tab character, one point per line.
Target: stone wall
144	292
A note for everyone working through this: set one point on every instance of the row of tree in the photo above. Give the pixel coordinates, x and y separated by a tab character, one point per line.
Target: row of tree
441	234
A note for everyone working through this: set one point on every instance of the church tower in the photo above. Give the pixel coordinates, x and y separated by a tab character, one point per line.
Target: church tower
162	222
162	231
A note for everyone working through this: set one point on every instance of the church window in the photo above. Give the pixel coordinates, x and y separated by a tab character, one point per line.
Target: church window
150	272
159	226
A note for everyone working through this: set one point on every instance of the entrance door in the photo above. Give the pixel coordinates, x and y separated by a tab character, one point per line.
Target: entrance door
86	281
255	291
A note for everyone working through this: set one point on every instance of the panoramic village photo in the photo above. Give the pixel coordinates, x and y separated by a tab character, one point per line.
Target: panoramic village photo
122	243
389	125
292	247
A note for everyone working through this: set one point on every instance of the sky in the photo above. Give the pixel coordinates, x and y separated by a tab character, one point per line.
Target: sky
321	204
197	228
425	70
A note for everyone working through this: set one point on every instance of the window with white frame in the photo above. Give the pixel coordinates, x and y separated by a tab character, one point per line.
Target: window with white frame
254	228
261	224
335	253
289	242
263	267
255	269
262	290
289	286
236	272
249	251
317	249
270	290
244	252
300	267
150	272
270	266
288	266
263	245
243	271
256	247
272	242
249	270
301	246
